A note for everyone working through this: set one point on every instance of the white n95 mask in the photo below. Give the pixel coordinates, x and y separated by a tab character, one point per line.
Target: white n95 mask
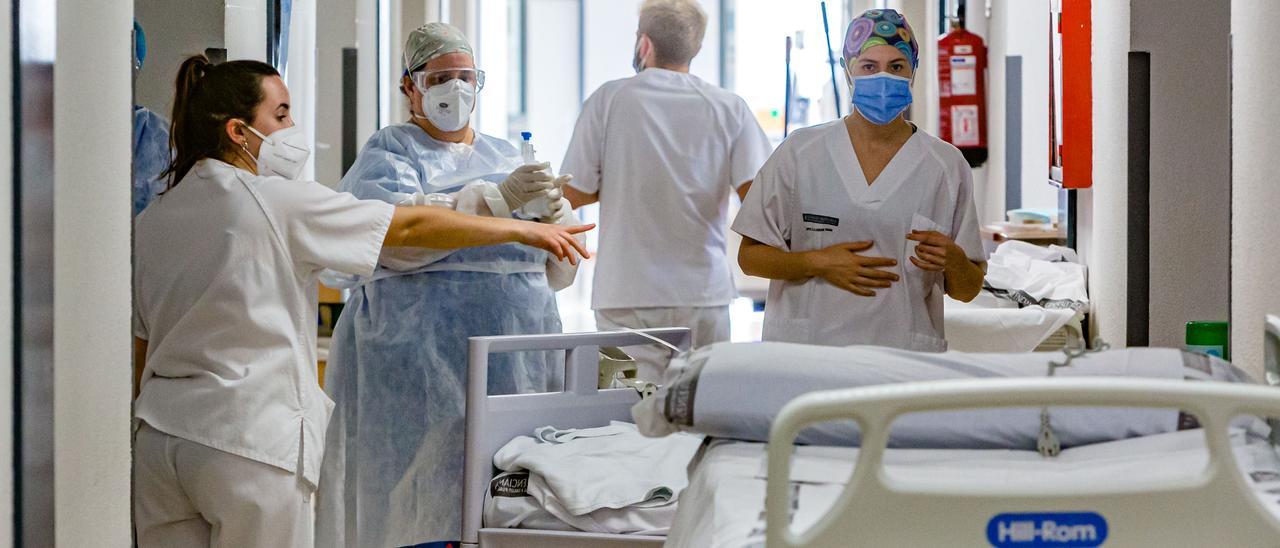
283	153
448	105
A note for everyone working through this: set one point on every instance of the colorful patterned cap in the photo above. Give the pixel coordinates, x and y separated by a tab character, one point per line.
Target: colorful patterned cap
430	41
883	27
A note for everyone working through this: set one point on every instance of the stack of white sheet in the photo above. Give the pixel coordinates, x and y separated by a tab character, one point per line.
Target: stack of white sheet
1030	292
1028	274
993	324
601	480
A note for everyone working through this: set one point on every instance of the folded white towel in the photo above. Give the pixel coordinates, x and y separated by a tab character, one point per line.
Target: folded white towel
611	467
509	504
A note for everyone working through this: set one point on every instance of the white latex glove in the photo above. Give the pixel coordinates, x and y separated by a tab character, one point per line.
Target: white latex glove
561	274
560	209
558	206
525	184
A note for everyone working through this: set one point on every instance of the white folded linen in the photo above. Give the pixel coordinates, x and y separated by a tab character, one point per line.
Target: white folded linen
972	329
508	504
592	469
1031	275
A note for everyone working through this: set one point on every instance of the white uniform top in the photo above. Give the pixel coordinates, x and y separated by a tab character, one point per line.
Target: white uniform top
664	150
225	294
812	194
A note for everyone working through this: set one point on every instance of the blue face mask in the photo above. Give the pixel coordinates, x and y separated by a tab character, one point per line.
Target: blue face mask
881	97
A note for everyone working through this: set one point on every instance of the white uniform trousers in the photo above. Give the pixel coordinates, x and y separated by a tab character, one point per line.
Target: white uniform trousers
188	494
709	324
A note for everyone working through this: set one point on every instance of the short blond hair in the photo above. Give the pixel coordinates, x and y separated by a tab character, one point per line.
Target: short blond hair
676	29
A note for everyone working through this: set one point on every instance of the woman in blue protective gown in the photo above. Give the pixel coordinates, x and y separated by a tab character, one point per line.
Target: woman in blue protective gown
397	370
151	154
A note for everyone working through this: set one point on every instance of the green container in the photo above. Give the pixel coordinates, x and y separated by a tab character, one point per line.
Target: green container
1210	338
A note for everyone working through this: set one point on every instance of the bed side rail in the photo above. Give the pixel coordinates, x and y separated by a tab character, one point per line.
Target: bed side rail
493	420
874	510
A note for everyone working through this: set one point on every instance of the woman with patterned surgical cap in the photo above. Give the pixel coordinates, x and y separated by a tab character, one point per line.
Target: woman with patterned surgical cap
397	367
863	224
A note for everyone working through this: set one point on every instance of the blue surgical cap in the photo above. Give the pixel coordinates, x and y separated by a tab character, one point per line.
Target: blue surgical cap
139	44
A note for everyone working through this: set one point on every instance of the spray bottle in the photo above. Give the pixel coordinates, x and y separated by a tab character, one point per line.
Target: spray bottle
539	207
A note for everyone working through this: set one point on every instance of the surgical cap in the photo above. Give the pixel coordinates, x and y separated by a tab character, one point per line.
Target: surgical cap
433	40
884	27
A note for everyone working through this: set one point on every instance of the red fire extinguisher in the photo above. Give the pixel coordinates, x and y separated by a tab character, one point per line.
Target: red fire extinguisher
962	68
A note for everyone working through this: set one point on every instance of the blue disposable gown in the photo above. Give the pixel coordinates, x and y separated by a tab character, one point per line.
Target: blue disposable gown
150	156
397	370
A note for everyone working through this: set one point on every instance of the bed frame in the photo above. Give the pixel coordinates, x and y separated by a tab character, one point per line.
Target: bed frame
1214	508
492	421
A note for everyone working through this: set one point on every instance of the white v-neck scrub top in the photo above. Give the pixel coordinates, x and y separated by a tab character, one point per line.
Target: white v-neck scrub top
664	150
812	194
225	273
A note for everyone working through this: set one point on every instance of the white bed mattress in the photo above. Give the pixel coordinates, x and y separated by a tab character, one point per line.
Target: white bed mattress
724	503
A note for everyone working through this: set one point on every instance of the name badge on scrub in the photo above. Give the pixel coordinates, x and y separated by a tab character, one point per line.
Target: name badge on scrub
820	220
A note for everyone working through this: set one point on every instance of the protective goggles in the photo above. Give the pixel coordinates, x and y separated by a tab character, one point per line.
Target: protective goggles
426	79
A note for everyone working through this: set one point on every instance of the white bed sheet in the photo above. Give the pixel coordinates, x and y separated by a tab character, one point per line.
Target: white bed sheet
724	503
1002	329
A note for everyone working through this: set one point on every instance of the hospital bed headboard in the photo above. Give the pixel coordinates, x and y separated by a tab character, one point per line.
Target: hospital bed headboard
878	510
493	420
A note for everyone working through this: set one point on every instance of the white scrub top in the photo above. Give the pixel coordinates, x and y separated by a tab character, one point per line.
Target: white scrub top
664	150
225	274
812	194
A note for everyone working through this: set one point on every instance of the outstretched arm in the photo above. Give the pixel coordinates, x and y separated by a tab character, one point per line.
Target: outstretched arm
439	228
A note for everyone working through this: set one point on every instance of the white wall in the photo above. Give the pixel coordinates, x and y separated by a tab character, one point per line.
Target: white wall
172	37
554	90
367	92
1103	212
6	288
1027	34
408	16
1190	161
300	75
1255	265
246	29
493	55
976	22
990	197
335	29
92	344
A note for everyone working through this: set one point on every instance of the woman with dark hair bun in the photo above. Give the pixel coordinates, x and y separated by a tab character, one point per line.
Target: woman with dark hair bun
229	418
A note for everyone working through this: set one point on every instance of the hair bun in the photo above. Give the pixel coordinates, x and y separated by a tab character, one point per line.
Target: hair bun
199	67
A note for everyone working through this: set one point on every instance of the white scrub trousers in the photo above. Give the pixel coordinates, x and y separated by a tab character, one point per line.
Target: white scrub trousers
188	494
708	325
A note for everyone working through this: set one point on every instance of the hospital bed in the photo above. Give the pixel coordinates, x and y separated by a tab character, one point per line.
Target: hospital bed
493	420
931	497
1163	490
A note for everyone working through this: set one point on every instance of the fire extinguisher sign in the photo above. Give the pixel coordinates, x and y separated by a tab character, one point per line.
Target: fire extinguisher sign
964	126
964	75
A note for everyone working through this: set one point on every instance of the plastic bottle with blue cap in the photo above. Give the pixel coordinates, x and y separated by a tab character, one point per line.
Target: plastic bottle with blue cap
540	207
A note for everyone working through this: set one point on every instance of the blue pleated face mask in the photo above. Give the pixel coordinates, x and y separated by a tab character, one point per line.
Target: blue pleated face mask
881	97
